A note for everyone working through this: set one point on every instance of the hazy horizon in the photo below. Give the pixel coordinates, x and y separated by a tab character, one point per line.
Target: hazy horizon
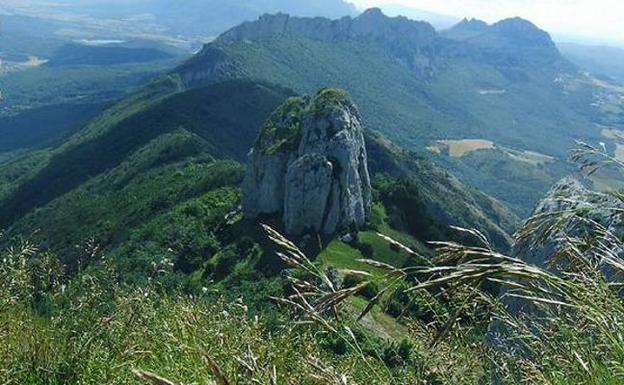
581	21
580	18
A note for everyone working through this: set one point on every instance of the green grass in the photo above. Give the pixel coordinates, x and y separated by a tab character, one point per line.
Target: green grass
381	249
378	322
341	256
379	220
94	329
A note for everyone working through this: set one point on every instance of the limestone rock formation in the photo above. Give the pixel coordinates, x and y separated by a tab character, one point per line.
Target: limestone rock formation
309	164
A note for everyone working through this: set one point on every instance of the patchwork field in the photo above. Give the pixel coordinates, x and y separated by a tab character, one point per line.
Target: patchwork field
619	152
492	92
459	148
618	137
7	66
532	157
611	133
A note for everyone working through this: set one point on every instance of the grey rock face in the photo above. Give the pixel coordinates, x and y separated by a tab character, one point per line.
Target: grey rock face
310	165
567	194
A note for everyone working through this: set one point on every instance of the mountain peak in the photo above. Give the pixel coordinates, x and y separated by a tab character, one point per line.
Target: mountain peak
466	29
373	12
521	29
517	22
513	41
472	24
526	37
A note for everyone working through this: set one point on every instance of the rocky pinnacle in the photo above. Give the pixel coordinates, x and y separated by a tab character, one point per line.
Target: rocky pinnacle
309	165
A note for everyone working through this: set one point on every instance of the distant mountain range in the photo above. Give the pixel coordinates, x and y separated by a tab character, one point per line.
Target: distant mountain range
506	83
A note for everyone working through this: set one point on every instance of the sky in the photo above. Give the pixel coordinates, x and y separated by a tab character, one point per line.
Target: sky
600	19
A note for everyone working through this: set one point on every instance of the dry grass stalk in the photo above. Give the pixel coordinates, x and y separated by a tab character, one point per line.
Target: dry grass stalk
151	378
310	298
327	374
215	370
250	363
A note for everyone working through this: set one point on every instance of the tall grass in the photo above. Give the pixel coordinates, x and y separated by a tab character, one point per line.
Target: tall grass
93	329
557	321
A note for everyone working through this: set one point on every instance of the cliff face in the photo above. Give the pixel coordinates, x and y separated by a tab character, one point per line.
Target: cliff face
309	164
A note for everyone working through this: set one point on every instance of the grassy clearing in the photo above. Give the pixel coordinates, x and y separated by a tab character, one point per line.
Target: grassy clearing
341	256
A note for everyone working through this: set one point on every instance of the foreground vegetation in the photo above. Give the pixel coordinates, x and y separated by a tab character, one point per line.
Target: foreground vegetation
428	320
95	330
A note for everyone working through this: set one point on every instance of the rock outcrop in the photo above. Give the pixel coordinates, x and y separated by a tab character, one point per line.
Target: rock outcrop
309	164
568	195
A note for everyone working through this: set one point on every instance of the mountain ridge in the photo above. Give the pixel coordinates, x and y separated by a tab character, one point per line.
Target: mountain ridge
415	43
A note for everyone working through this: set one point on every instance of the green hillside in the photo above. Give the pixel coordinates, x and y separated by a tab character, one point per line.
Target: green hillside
42	126
43	104
210	113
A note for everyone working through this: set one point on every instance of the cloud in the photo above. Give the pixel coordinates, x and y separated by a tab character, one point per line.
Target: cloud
592	18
